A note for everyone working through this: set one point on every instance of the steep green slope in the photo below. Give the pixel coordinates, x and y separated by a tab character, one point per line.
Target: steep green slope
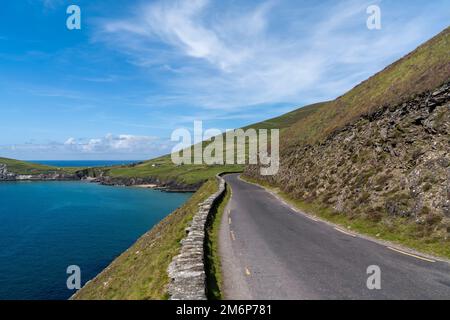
285	121
29	168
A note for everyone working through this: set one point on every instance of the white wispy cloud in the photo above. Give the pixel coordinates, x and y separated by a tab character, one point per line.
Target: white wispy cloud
115	143
108	78
225	56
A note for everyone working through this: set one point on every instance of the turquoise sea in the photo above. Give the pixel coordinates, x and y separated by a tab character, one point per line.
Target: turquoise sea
47	226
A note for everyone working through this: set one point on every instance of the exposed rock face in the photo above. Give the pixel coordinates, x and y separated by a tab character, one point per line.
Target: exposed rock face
395	162
4	174
187	270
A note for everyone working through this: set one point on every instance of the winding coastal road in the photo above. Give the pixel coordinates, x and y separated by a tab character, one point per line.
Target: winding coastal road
271	251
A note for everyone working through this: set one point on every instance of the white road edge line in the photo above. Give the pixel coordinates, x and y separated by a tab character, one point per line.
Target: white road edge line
345	232
296	211
411	255
232	235
312	218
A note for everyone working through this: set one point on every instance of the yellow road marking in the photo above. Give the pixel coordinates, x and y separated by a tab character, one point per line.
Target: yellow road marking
345	232
247	272
232	235
229	220
411	255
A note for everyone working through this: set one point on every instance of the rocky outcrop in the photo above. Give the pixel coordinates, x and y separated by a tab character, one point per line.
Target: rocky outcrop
101	175
164	185
4	174
187	270
394	162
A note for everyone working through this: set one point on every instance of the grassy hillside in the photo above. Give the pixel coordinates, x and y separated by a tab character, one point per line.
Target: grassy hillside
423	69
285	121
29	168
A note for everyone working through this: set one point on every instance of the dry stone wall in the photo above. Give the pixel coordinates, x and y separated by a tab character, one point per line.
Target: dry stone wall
187	270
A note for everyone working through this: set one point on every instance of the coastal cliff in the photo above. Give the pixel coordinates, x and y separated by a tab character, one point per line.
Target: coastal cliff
6	175
164	185
97	175
102	176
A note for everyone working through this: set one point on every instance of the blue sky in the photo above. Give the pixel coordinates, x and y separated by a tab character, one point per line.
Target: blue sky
137	70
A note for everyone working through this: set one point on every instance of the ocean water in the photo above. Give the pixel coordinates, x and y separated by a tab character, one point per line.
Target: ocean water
47	226
84	163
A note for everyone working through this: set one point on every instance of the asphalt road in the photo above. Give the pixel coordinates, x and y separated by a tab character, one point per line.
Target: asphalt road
270	251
